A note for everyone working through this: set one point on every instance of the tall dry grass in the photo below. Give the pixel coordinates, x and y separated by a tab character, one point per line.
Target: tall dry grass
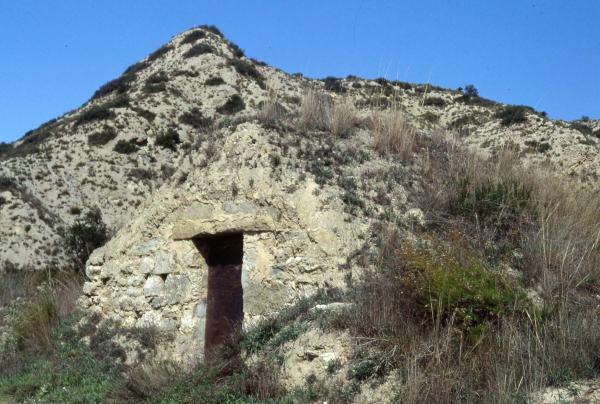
392	134
319	111
548	228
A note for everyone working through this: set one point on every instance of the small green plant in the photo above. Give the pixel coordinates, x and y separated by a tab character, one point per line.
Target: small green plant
125	147
334	84
102	137
236	50
434	102
234	104
85	235
195	119
214	81
169	139
247	69
513	114
333	366
197	50
193	37
362	370
582	128
95	113
160	52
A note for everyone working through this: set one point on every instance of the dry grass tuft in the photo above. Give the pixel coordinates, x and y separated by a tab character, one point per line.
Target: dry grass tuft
318	111
393	134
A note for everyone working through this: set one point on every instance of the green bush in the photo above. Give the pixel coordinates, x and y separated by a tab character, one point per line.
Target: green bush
160	52
247	69
434	102
213	29
102	137
197	50
85	235
169	139
236	50
234	104
584	129
193	37
144	113
119	85
334	84
513	114
125	147
214	81
95	113
156	82
195	119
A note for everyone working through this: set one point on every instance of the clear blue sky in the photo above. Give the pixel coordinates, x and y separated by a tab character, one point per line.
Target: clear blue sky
54	54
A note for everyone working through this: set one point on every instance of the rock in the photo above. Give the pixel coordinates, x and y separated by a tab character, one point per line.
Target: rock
153	286
336	306
145	248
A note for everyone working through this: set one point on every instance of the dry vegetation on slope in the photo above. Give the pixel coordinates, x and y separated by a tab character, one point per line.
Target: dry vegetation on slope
486	292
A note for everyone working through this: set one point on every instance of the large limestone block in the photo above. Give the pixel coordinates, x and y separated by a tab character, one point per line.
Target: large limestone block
225	223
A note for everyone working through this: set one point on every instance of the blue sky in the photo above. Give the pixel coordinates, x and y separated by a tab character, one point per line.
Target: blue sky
546	54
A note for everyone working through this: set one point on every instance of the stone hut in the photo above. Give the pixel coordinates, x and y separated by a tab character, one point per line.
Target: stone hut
176	266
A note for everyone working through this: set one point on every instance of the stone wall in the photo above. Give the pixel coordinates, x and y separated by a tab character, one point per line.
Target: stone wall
295	241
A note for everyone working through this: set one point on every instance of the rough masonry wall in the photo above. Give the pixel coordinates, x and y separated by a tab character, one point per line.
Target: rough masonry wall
146	277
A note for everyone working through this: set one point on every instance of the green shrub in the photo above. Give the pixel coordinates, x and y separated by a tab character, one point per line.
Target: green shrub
134	69
160	52
584	129
156	82
195	119
102	137
197	50
334	84
119	85
169	139
125	147
513	114
247	69
213	29
236	50
234	104
144	113
434	102
193	37
95	113
85	235
214	81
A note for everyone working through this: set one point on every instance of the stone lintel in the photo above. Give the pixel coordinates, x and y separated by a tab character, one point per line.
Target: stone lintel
186	229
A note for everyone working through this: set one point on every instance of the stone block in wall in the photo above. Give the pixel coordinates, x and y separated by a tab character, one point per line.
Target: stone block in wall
154	286
176	288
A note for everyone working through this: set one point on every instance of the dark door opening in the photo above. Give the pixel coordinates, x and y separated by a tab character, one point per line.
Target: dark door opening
225	304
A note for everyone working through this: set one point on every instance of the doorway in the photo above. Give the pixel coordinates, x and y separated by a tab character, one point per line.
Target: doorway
225	303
